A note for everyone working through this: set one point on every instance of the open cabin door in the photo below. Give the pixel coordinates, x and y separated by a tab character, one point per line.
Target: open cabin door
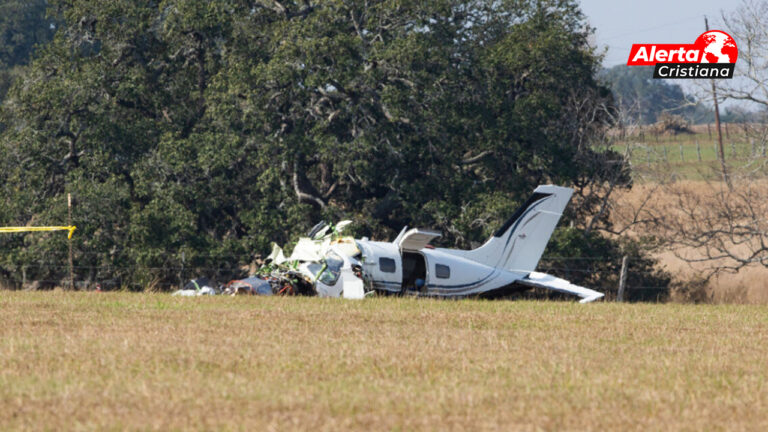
414	265
415	239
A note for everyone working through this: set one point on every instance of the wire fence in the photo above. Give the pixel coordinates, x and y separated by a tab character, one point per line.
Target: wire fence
693	155
52	271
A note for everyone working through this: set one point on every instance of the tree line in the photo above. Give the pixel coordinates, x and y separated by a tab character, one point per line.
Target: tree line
192	134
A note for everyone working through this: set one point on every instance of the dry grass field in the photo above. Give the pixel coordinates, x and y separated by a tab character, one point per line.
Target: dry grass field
118	361
749	285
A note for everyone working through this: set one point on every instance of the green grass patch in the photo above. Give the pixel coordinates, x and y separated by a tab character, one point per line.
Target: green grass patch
692	156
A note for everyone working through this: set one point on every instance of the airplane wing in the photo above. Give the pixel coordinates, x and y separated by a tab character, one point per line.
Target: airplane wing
543	280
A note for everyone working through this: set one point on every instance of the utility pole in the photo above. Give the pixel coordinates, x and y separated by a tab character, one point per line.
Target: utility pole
721	151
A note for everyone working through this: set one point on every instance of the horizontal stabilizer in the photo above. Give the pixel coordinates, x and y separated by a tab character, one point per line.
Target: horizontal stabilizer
543	280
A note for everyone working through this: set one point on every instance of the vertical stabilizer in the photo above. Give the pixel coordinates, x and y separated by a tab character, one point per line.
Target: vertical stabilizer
520	242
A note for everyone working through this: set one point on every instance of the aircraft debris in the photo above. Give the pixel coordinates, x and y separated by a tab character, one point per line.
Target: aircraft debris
328	264
197	287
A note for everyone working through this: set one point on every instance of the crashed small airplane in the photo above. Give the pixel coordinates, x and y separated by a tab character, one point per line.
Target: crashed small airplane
328	265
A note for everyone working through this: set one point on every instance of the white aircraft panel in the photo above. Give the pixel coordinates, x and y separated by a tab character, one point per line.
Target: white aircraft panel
416	238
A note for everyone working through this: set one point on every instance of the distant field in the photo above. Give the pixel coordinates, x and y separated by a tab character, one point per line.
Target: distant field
693	156
151	361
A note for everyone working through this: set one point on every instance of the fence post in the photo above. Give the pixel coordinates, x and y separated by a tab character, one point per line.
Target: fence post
709	131
682	156
698	150
181	272
622	279
69	222
648	154
666	159
752	144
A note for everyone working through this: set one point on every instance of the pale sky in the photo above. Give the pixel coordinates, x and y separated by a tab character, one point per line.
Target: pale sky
619	24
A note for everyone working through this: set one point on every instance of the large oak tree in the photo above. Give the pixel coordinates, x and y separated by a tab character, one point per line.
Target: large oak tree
194	133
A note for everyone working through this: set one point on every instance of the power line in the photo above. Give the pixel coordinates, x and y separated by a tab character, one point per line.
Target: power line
657	27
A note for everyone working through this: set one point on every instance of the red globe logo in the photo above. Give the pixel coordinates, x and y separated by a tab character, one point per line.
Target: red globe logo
717	47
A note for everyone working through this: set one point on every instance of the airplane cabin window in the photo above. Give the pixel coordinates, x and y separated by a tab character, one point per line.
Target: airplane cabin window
387	265
331	269
442	271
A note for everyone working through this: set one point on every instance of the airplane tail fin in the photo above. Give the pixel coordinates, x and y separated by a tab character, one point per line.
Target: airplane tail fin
520	242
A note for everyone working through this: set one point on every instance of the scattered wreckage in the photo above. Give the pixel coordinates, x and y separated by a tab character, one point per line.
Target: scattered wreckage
328	264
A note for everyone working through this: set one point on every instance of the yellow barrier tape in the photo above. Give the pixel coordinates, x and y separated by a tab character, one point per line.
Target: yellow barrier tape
71	229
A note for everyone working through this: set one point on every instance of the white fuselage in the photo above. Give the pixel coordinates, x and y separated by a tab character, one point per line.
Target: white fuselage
410	265
429	272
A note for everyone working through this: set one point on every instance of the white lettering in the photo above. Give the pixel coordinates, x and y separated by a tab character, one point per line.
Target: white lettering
641	54
665	70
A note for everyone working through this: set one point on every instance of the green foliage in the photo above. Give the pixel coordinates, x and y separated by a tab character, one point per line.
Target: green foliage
193	134
23	26
643	99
